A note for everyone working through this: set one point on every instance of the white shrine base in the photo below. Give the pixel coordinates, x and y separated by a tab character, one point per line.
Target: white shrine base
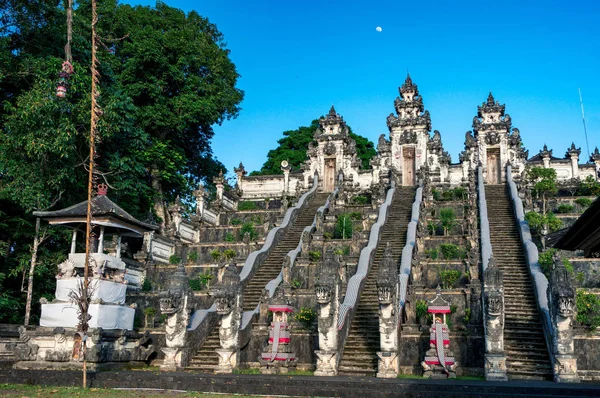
109	292
103	316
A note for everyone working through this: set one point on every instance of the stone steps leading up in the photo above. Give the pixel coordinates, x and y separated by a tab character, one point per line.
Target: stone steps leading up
360	351
524	343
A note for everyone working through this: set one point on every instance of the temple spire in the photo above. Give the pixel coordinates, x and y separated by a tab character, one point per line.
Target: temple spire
332	111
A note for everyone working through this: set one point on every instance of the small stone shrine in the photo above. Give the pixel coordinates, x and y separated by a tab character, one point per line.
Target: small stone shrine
439	361
278	356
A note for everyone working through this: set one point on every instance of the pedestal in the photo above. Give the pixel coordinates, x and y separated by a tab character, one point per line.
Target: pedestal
565	369
174	359
326	363
495	367
228	360
388	365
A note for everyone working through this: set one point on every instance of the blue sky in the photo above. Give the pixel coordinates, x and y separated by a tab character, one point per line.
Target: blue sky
297	58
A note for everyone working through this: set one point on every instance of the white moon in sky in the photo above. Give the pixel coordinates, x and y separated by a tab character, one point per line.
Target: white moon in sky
378	29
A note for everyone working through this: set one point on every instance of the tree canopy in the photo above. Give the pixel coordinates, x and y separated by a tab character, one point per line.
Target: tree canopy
166	79
294	144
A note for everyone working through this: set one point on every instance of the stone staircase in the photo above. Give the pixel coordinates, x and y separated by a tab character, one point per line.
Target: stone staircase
360	350
524	343
272	265
206	359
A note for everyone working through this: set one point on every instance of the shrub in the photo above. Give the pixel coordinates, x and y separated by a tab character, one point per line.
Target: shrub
360	200
342	251
449	277
305	316
314	255
236	221
564	208
229	237
248	227
588	309
467	316
583	202
460	193
215	254
421	308
256	219
554	223
174	259
195	285
449	251
431	227
146	285
247	205
343	227
192	257
202	282
327	235
447	219
448	195
296	284
534	220
228	254
432	253
436	194
589	186
149	312
355	215
545	261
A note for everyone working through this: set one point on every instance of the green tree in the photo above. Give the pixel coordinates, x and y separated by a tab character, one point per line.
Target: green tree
543	182
294	144
177	71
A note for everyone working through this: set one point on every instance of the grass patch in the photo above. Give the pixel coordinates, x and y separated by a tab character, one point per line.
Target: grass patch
407	376
300	373
247	371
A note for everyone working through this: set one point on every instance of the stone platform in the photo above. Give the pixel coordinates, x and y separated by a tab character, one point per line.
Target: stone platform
300	385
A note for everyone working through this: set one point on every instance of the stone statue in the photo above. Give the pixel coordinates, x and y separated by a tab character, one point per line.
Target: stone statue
495	357
387	294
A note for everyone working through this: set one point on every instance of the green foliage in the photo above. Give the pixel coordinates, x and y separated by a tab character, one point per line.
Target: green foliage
192	256
449	278
584	202
453	308
256	219
147	285
421	308
215	254
228	254
306	317
450	251
588	309
432	253
355	215
294	144
327	235
314	255
589	186
436	194
248	228
447	219
201	282
342	251
360	200
543	183
467	316
174	259
343	227
296	284
247	205
545	259
236	221
564	208
431	227
537	221
448	195
229	237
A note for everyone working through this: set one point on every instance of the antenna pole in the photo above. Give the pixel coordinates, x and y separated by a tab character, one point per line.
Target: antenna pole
587	145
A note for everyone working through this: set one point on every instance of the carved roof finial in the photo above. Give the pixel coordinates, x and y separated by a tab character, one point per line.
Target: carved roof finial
490	99
408	80
332	111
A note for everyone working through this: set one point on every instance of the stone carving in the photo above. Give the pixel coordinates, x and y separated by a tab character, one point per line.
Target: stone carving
175	303
228	299
495	364
408	137
60	352
24	350
329	149
327	291
470	141
387	292
561	296
66	269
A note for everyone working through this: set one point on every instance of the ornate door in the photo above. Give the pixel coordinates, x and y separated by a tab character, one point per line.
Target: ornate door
493	166
329	177
408	166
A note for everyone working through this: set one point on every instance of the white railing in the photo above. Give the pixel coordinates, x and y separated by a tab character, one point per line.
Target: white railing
484	224
364	261
407	251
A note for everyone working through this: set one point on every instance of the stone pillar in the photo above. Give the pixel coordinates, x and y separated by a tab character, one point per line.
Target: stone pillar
228	300
595	157
387	294
327	290
175	303
493	300
101	240
240	172
285	167
561	296
199	195
546	155
74	241
573	153
219	183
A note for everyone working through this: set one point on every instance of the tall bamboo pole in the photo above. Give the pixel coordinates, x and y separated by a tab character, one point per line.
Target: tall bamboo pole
95	112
